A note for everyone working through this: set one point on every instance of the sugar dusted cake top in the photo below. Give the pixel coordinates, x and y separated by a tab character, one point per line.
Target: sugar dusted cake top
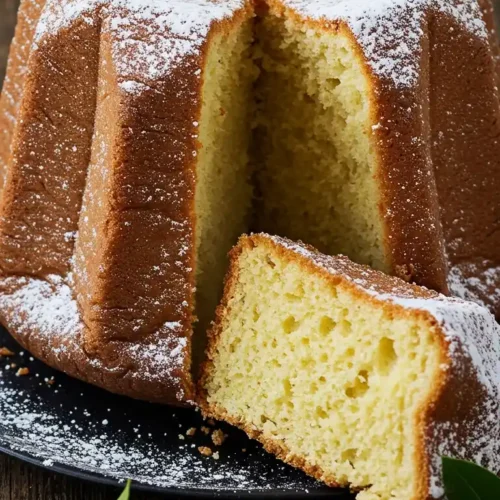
377	24
397	25
150	36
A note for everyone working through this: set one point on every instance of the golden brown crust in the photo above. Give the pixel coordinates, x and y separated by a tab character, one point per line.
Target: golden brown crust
16	73
128	256
457	401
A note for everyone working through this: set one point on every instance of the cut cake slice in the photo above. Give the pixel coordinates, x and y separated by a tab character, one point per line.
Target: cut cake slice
358	378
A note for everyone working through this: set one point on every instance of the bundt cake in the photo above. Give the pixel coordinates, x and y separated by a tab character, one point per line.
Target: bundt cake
359	379
136	135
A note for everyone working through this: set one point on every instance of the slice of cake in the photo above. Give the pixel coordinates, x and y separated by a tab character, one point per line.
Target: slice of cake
358	378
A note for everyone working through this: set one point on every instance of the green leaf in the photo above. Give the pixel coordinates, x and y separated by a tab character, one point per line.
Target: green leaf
468	481
126	492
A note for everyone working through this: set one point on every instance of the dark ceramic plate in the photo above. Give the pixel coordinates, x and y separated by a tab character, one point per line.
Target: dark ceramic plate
57	422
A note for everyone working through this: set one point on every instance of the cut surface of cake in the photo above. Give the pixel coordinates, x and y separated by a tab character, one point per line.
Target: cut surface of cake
358	378
135	137
375	141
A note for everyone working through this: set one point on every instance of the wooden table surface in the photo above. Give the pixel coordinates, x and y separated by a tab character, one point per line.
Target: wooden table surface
18	480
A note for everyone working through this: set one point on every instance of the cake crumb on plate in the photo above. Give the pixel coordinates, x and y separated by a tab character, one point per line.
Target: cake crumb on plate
205	450
218	437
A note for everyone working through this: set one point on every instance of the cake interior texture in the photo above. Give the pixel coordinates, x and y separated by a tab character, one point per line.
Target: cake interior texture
316	166
319	372
287	110
223	190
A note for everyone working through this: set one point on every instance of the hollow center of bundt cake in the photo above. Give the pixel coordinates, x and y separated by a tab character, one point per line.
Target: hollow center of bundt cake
330	374
285	120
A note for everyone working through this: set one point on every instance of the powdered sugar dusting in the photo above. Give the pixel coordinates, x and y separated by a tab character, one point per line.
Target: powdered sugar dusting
43	305
471	282
390	31
58	15
47	309
121	439
471	331
152	36
132	87
469	324
149	37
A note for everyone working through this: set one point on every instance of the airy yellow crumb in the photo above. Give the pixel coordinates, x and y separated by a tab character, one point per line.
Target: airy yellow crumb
325	371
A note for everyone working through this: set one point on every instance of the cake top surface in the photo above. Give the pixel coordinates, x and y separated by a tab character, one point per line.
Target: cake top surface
390	31
149	37
374	282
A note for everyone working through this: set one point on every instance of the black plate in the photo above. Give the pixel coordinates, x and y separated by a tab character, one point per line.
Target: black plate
82	431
